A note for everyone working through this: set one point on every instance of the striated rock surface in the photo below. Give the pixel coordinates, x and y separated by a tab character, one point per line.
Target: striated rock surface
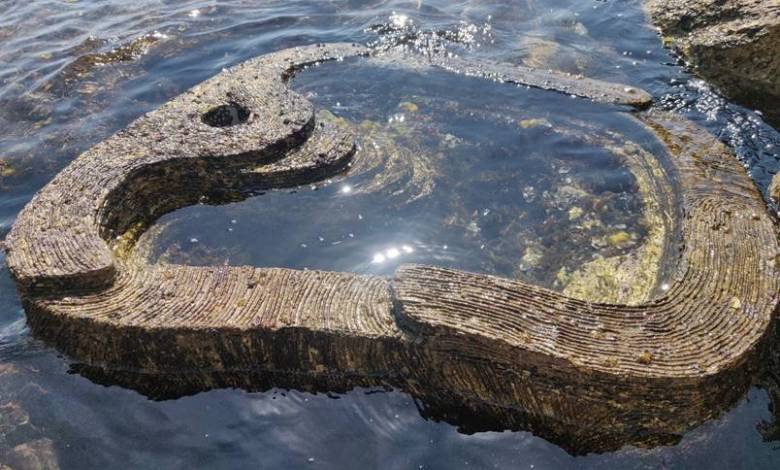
734	44
589	375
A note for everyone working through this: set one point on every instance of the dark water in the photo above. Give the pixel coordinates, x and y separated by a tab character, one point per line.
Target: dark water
66	82
497	185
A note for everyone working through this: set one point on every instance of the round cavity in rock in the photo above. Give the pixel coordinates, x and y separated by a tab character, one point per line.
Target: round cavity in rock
226	115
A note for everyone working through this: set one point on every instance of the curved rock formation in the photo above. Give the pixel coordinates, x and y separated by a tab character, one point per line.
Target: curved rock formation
734	44
589	375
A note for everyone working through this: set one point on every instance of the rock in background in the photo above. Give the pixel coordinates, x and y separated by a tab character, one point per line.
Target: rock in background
735	44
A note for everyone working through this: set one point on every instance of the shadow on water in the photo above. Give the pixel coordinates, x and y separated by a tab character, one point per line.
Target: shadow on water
469	415
71	86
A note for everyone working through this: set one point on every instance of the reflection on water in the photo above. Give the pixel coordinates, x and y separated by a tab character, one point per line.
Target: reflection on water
52	108
443	175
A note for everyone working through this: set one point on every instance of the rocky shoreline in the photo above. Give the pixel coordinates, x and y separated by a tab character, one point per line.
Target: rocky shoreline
554	362
734	44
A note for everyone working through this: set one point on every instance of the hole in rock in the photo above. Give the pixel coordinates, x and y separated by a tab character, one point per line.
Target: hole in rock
450	170
226	115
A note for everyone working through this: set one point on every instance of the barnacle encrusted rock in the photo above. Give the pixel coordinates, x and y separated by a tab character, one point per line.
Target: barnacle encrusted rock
590	375
735	44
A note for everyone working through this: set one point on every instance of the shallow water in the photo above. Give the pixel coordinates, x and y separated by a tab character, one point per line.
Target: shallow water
496	186
60	93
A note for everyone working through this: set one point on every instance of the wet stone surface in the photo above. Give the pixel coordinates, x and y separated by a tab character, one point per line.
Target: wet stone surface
96	426
94	296
735	45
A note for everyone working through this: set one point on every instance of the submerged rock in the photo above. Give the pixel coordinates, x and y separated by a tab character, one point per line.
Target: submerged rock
734	44
23	445
34	455
72	73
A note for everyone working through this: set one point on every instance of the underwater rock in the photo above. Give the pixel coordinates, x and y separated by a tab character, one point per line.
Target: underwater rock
774	188
734	44
408	106
406	167
549	361
86	63
575	213
533	122
6	169
619	238
34	455
22	446
539	51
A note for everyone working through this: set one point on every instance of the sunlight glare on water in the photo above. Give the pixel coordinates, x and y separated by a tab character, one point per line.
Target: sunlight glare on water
437	179
75	72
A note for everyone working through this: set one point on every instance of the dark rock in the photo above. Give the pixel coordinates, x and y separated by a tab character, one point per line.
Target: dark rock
734	44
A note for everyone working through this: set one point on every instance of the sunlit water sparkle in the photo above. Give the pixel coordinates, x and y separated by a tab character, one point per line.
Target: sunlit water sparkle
51	110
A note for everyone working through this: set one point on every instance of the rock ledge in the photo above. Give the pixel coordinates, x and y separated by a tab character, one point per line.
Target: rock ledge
734	44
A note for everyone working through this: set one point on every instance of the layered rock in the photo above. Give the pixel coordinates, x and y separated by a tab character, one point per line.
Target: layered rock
734	44
590	375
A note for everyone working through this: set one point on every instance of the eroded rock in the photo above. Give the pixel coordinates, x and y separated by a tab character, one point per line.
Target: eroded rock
551	361
734	44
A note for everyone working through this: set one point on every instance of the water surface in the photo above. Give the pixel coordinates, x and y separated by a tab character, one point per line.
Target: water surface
450	170
67	83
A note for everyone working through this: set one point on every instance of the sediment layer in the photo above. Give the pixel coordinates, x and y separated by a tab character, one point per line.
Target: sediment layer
589	375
